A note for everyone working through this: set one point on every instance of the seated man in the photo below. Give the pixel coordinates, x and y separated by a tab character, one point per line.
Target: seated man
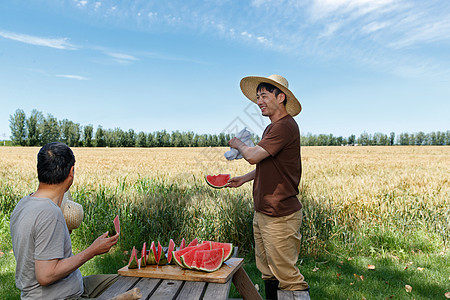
45	265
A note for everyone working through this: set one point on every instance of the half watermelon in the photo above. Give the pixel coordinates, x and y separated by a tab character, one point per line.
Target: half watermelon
177	255
217	181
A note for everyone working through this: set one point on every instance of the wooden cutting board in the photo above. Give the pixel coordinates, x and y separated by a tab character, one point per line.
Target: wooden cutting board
174	272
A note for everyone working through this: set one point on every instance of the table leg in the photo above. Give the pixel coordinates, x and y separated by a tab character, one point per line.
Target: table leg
245	286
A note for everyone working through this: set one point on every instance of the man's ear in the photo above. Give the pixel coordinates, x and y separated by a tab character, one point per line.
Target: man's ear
281	97
72	171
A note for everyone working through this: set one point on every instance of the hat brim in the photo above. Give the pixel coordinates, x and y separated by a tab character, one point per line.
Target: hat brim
250	83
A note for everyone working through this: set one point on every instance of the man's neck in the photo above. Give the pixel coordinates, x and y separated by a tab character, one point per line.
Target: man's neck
54	192
278	115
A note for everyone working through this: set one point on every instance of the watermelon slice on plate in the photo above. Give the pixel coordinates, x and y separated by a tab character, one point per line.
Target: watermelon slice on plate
182	244
194	242
143	262
188	257
177	255
151	259
208	260
133	263
169	252
217	181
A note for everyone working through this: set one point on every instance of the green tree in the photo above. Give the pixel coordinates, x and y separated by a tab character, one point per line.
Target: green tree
18	129
87	135
100	137
50	130
141	140
34	123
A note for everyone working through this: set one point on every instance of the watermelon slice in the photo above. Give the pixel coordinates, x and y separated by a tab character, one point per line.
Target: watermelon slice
161	256
227	249
117	224
208	260
151	259
188	257
116	228
144	255
169	252
217	181
177	255
193	243
133	263
183	244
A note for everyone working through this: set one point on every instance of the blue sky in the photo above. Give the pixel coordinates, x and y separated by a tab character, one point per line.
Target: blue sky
355	65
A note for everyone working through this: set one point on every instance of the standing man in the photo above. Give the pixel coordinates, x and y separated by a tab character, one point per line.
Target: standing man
278	212
45	265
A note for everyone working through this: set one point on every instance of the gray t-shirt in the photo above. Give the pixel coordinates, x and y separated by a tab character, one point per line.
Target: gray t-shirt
39	232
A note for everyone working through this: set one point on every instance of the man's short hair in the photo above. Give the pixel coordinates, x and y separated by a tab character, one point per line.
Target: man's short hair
54	162
271	89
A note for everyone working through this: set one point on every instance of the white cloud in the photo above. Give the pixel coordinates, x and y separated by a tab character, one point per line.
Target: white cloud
77	77
57	43
122	58
374	26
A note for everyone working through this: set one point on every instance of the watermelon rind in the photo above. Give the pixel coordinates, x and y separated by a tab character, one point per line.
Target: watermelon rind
212	260
210	178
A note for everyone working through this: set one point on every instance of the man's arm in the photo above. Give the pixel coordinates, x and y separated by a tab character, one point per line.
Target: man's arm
49	271
240	180
251	154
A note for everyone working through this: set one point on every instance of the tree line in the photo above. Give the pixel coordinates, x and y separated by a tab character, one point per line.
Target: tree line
38	130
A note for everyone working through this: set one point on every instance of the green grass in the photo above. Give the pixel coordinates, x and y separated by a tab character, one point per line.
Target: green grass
152	210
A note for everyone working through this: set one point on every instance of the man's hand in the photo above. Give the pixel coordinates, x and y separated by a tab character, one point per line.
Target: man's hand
251	154
235	182
235	143
240	180
103	243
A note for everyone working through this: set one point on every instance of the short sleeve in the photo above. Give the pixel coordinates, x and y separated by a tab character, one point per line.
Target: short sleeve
49	235
275	139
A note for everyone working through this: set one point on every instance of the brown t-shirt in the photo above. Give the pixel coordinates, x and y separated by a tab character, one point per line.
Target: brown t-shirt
277	177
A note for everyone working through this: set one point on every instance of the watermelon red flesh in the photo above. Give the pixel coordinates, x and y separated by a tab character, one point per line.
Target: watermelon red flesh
227	249
193	243
209	260
182	244
158	256
188	257
218	181
169	252
117	224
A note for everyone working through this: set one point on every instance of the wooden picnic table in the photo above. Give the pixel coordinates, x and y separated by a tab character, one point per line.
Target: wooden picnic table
186	288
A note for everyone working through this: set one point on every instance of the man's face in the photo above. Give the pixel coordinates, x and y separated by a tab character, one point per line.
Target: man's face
267	102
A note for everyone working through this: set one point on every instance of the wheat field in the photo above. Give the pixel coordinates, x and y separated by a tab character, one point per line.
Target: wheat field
342	188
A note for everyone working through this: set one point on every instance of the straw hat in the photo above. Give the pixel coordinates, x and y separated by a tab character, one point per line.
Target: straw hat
72	211
250	83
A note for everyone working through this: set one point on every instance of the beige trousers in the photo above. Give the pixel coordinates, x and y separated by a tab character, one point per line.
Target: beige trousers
277	246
